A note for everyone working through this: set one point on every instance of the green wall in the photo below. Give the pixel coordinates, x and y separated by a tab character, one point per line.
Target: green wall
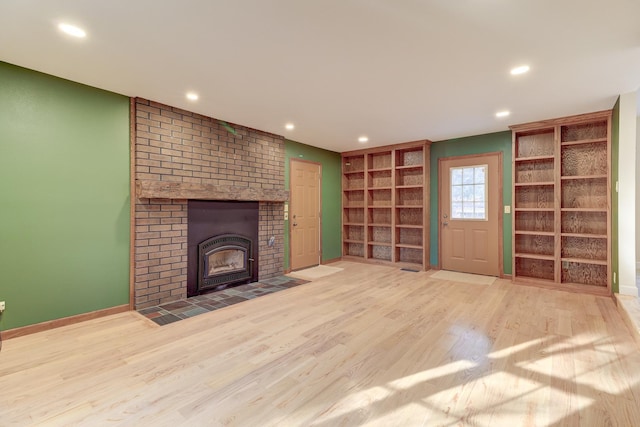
493	142
64	198
331	199
615	150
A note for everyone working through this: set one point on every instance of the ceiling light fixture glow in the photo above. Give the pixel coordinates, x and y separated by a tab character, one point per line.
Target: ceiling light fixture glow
192	96
504	113
519	70
72	30
289	126
363	139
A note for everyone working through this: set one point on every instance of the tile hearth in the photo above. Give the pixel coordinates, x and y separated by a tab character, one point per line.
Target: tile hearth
183	309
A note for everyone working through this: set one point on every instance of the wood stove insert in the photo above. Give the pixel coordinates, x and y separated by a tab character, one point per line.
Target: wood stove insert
224	259
222	245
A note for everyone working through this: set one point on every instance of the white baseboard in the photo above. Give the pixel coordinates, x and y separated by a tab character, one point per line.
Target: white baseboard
628	290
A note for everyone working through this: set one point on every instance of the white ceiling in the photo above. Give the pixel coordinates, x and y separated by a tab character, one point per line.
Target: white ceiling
394	70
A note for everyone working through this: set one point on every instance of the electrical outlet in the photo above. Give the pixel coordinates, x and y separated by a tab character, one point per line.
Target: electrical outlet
2	306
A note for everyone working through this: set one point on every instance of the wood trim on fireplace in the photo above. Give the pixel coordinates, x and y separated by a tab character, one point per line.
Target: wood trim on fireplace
146	189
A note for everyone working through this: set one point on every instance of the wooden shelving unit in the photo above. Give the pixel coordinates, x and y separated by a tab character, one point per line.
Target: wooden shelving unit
561	197
385	195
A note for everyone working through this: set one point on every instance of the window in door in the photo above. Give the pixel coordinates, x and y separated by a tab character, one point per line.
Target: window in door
469	192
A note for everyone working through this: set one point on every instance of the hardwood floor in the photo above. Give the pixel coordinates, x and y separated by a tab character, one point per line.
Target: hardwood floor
370	345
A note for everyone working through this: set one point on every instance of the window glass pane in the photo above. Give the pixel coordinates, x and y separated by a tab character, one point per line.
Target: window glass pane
467	175
479	210
456	210
456	193
468	192
456	176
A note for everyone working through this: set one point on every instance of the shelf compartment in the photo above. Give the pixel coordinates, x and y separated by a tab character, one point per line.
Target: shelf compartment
584	159
379	216
353	181
534	221
354	232
535	144
379	197
534	197
353	164
409	196
409	157
379	160
379	252
534	171
579	194
380	178
353	198
409	236
584	247
409	255
407	216
534	268
353	215
534	244
584	273
353	249
379	234
413	176
585	131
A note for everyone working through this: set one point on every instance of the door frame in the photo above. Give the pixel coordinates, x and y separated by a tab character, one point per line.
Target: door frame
500	213
291	161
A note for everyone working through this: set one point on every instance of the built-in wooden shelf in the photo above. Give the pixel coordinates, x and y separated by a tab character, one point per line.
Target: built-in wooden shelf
585	141
562	233
585	261
532	184
534	256
586	236
391	214
533	158
583	210
535	233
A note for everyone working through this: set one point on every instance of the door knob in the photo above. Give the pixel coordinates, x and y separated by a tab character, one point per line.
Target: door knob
445	223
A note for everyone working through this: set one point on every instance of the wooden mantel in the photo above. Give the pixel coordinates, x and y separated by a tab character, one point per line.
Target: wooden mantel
146	189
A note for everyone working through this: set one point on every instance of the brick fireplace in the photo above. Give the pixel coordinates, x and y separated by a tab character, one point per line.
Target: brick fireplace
182	156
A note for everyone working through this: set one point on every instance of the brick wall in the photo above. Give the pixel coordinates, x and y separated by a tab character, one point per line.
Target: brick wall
177	145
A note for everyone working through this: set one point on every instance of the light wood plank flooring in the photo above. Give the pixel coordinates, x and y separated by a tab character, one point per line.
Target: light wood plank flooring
370	345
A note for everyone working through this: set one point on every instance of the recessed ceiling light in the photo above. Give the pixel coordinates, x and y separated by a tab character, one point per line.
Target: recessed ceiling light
363	139
504	113
289	126
72	30
192	96
519	70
